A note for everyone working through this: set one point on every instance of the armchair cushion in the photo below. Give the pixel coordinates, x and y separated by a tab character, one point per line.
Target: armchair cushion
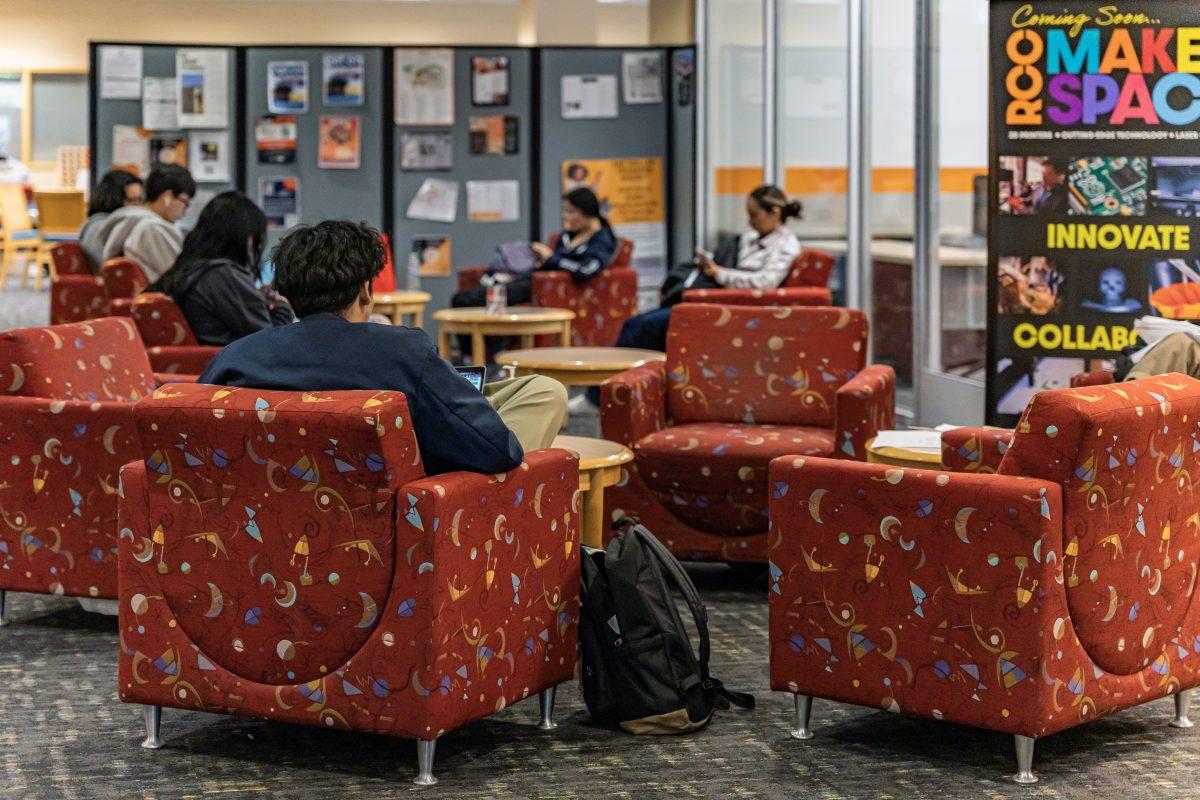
1126	457
299	490
737	364
794	296
712	475
101	360
975	449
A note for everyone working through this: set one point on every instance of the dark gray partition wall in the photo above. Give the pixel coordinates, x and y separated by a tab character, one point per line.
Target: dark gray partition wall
471	243
682	193
158	61
638	131
355	194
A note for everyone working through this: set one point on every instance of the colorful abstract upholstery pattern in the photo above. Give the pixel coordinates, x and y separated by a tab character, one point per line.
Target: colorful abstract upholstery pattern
66	427
182	360
68	259
773	298
783	381
601	305
974	449
159	321
1026	602
76	298
122	278
366	596
811	268
1098	377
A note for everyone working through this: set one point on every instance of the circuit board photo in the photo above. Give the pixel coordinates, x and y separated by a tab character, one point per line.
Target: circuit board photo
1109	186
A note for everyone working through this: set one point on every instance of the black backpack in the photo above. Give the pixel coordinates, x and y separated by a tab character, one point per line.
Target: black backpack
639	670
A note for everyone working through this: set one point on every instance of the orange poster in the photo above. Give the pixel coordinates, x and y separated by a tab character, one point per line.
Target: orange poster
340	143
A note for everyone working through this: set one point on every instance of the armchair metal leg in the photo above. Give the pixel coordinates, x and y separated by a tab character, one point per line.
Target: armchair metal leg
153	717
1183	704
546	702
3	621
1024	760
425	748
803	713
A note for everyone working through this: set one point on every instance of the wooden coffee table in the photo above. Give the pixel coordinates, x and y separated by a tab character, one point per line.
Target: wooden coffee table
397	304
600	464
902	457
523	321
577	366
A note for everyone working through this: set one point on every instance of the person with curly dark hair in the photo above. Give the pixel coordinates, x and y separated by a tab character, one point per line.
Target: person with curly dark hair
325	272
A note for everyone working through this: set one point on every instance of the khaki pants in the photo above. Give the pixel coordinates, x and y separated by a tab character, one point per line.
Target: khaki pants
534	408
1178	352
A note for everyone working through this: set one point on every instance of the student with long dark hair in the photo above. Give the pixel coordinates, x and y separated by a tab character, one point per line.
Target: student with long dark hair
117	189
213	280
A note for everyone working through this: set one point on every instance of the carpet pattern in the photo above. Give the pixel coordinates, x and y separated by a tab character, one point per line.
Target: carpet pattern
65	735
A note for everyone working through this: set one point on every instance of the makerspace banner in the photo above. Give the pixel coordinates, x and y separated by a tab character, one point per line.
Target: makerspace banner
1095	186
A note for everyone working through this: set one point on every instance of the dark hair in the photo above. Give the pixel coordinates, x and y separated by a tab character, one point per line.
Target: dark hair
585	200
772	197
226	224
109	194
170	177
1057	163
321	268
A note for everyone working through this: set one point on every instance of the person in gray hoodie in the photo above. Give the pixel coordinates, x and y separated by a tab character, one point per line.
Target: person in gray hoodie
116	190
148	234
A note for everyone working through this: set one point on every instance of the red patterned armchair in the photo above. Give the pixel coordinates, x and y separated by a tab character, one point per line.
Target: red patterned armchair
76	298
66	427
122	278
740	387
1028	602
601	305
283	555
172	345
807	284
68	259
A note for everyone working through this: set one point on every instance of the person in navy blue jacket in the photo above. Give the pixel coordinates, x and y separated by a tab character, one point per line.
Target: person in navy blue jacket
325	272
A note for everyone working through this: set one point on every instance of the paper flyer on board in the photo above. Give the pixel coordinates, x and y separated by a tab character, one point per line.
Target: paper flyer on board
493	201
279	198
168	148
489	81
342	79
131	149
160	104
494	135
589	96
426	151
339	146
435	201
208	156
424	86
642	77
202	77
120	73
287	87
433	255
275	139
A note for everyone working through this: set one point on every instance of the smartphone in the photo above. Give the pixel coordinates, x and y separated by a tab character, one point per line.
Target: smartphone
473	375
702	253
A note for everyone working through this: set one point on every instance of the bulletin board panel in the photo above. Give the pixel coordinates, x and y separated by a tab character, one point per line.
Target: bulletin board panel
158	61
471	242
638	131
682	188
354	194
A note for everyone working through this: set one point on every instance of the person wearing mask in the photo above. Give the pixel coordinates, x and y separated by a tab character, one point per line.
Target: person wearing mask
147	234
214	279
117	189
326	271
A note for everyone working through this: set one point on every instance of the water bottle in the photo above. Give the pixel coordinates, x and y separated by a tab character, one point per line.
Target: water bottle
497	297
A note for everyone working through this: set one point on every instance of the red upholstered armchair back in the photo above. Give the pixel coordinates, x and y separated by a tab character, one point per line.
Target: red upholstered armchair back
69	260
97	361
811	268
122	278
1126	456
160	322
272	520
761	365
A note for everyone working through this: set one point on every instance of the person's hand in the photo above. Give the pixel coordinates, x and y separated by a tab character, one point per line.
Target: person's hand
707	266
541	251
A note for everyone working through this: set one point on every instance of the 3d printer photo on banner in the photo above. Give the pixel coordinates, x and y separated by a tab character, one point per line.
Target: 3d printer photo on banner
1095	186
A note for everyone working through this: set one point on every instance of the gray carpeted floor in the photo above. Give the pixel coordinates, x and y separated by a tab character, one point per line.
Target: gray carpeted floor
20	308
65	735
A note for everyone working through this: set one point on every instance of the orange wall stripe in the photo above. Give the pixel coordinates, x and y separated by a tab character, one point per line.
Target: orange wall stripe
835	180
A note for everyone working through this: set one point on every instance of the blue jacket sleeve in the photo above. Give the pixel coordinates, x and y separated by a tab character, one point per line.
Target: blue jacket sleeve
597	254
457	429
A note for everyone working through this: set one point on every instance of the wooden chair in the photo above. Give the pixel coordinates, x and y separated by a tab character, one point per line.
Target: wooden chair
20	237
61	213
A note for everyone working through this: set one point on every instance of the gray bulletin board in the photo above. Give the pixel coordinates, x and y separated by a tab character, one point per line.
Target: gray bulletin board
682	194
471	243
641	130
354	194
158	61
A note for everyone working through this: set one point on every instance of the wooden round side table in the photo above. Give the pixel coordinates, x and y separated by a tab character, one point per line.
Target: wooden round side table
523	321
577	366
397	304
903	457
600	464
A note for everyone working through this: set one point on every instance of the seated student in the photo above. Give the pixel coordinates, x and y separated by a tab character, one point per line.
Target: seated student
147	234
585	248
213	280
326	271
116	190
